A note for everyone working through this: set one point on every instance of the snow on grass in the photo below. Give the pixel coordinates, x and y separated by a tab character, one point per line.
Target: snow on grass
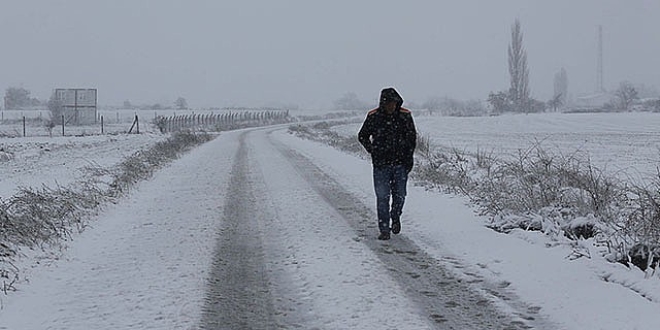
568	280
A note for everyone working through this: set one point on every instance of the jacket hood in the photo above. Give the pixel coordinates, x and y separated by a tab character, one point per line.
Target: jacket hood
388	94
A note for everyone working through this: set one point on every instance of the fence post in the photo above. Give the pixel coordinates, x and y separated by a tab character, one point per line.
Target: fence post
136	124
102	125
23	126
62	125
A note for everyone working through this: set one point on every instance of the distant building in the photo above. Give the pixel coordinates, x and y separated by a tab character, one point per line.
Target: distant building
78	105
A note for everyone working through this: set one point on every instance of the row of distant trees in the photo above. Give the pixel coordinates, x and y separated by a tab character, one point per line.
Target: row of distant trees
17	98
445	106
179	104
517	99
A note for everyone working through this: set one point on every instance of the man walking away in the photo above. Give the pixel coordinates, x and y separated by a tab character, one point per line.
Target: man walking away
388	134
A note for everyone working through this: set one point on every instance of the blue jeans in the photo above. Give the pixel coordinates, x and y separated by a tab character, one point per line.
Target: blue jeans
389	181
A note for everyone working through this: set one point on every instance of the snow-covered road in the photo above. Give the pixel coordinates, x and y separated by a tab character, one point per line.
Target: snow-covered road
248	232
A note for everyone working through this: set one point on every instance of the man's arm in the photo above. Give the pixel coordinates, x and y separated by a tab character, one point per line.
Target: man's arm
411	142
412	135
364	136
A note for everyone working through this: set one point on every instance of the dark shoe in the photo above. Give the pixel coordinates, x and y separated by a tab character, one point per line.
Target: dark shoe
384	236
396	227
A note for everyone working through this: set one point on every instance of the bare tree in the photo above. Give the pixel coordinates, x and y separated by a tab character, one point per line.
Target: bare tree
56	108
500	102
556	102
17	97
518	70
626	95
181	103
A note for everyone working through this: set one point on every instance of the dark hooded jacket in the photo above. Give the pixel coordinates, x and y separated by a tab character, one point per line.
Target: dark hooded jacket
390	139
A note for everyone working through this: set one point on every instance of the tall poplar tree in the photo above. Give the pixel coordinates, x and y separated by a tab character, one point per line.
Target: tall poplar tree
518	70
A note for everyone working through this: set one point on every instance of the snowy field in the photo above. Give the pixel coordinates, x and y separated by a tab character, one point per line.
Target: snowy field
623	144
60	160
144	262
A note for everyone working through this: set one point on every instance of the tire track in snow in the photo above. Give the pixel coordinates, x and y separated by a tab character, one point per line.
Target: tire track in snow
447	300
238	294
320	277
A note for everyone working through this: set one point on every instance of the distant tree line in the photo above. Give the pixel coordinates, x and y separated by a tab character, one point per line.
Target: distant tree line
518	100
19	98
447	106
350	101
179	104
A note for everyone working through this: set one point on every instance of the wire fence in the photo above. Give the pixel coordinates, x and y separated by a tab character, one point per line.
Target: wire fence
220	122
26	123
34	127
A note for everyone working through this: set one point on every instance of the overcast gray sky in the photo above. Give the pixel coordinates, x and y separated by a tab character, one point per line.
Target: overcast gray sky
306	52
